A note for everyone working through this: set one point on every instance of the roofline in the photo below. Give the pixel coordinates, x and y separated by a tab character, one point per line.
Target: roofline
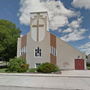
66	43
61	40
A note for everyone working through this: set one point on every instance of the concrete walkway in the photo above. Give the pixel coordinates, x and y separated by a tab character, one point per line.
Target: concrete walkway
68	80
78	73
64	73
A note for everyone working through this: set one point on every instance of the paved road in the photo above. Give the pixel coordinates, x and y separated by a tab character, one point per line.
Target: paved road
30	82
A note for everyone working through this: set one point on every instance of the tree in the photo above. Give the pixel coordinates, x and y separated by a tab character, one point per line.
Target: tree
8	39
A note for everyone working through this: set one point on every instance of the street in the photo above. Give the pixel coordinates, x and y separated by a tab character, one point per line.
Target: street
28	88
43	82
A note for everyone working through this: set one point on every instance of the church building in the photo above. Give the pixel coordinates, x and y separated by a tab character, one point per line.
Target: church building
40	46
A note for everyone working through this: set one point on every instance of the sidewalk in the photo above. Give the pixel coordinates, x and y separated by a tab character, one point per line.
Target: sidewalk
64	73
76	73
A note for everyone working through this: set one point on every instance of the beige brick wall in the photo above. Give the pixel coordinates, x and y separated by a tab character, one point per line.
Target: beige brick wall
66	55
44	45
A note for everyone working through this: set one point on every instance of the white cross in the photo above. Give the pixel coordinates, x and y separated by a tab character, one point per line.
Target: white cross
37	26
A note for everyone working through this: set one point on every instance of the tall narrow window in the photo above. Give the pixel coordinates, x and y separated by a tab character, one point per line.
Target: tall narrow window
38	52
53	51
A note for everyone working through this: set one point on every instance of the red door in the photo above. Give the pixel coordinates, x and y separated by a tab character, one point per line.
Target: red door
79	64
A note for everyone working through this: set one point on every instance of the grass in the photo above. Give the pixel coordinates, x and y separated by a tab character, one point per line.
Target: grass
88	67
3	70
32	70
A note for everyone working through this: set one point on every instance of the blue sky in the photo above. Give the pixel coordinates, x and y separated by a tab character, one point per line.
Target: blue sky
74	27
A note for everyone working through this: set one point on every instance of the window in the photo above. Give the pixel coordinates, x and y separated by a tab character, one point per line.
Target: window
53	51
38	52
20	52
23	50
37	65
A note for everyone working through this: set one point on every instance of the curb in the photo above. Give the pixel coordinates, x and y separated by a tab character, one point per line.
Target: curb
43	75
41	88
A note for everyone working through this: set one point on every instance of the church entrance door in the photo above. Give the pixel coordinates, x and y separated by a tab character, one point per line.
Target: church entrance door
79	64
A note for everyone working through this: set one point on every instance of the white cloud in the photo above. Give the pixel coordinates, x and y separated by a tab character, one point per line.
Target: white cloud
28	6
68	30
89	37
58	14
74	31
59	30
58	21
85	48
74	36
75	23
73	26
81	3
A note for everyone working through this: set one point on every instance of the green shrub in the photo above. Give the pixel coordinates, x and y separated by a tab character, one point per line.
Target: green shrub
24	68
88	64
33	70
47	68
17	65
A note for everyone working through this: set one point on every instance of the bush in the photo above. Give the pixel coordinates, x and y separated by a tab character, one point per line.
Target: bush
88	64
17	65
47	68
24	68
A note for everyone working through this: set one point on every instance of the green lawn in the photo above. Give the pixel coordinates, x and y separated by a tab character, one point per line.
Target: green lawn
88	67
3	70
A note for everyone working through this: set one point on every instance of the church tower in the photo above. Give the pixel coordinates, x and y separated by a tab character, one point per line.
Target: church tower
39	25
38	39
